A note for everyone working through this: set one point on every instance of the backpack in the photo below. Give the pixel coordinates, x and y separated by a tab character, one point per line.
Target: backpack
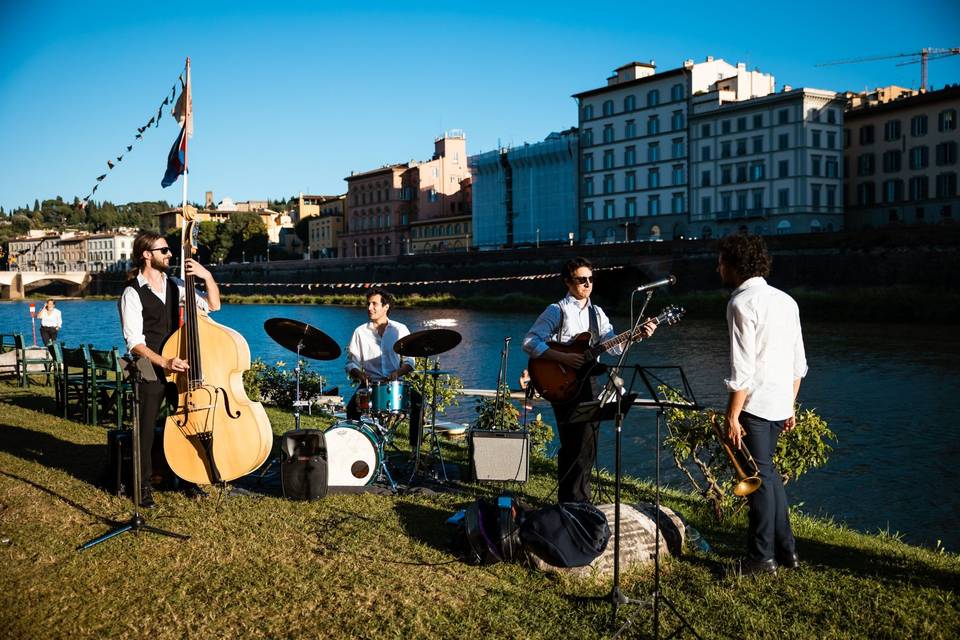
569	534
488	532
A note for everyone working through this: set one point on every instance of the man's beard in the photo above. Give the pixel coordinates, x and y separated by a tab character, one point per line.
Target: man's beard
159	264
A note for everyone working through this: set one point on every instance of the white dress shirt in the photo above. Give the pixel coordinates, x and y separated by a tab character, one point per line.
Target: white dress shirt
131	309
373	354
575	321
51	318
766	348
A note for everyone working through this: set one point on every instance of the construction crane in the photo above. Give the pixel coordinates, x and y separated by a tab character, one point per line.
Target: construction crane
923	56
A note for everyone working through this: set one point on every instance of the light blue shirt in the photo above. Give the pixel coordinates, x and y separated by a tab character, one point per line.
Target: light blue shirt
575	321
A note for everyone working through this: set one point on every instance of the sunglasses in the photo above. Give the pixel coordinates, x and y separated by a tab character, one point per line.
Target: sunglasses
163	250
583	279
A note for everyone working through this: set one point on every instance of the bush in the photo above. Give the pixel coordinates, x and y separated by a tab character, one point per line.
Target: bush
448	387
695	446
274	384
508	417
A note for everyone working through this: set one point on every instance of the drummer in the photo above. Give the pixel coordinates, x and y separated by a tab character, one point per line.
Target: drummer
371	358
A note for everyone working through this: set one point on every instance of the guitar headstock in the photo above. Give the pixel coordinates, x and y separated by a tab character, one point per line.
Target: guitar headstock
671	315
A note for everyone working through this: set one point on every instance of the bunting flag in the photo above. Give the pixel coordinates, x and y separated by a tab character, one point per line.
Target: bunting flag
409	283
154	121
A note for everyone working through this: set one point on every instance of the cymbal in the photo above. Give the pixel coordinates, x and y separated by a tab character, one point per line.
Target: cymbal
313	343
429	342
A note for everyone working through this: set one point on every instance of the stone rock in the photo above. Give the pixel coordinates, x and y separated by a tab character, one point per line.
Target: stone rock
637	540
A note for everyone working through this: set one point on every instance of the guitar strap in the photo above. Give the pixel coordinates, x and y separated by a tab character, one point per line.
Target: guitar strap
594	326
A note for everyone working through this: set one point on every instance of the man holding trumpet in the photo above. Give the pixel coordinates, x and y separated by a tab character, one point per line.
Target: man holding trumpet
767	363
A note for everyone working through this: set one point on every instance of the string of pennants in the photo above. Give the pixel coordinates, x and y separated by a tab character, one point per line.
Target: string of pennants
153	122
370	285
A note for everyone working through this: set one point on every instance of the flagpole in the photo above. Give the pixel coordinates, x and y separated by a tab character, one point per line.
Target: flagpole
186	120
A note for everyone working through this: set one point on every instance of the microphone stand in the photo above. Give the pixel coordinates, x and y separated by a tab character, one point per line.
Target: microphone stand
138	370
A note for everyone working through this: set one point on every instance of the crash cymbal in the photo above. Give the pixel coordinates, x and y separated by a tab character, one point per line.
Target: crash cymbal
426	343
313	343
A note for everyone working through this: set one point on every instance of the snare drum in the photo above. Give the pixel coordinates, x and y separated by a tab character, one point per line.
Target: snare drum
353	454
390	397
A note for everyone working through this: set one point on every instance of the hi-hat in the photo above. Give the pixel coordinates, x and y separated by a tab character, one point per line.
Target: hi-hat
426	343
292	334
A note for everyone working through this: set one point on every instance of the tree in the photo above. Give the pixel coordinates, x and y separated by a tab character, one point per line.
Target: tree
247	234
21	224
36	205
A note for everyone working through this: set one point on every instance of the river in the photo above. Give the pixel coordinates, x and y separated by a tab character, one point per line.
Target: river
888	391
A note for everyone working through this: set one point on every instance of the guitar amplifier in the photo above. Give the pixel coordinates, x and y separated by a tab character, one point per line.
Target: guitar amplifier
303	464
499	455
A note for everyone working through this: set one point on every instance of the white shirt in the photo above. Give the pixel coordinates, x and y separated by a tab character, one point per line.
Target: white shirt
372	353
51	318
131	309
766	348
575	322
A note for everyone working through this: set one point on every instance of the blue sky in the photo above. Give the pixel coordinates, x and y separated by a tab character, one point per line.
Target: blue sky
294	97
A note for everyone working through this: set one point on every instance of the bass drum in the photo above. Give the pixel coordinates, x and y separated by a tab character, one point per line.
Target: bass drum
353	454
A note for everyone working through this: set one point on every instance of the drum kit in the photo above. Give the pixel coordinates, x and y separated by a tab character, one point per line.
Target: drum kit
355	448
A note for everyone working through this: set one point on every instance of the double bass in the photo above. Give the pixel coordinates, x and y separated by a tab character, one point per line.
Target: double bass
214	433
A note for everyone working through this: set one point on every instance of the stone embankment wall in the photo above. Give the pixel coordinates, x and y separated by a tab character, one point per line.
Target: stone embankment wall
923	257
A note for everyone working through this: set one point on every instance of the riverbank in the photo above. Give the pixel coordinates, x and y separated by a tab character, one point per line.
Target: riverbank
368	566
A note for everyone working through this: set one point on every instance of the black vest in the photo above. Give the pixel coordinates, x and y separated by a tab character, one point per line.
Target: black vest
160	319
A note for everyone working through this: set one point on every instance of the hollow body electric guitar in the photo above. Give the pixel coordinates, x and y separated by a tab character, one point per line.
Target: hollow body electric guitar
559	383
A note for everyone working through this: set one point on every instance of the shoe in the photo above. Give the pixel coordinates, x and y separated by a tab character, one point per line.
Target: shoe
146	498
194	492
789	561
748	567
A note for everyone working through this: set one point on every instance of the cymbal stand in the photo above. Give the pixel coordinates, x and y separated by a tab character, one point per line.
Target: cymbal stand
501	380
136	523
297	403
435	448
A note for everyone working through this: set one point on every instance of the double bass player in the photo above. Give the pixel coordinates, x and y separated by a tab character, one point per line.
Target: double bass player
149	312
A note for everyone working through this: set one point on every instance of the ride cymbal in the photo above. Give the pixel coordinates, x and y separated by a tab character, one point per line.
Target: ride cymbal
426	343
292	334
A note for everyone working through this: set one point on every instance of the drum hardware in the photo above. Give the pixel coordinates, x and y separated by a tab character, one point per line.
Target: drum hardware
426	344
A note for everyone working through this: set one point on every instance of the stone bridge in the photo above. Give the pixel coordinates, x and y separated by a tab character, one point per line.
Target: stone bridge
14	284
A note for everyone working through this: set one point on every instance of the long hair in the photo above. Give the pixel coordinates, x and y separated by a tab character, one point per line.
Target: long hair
747	255
141	243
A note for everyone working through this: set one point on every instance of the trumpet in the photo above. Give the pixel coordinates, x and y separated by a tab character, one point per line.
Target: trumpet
739	458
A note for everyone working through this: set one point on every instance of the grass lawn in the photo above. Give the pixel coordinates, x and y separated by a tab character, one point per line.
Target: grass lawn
373	566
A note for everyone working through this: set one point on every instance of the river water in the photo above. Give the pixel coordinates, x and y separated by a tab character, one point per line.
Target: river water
889	392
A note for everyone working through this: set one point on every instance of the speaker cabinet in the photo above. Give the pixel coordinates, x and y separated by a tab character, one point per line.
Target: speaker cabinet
499	456
303	464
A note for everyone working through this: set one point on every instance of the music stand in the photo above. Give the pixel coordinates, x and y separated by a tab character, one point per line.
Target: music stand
686	401
138	370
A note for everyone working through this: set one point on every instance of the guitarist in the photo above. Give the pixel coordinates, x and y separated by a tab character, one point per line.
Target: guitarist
560	322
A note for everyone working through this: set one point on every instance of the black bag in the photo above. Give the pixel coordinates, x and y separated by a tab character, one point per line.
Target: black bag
569	534
489	531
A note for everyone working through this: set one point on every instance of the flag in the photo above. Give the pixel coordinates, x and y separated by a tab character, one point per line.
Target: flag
183	110
175	161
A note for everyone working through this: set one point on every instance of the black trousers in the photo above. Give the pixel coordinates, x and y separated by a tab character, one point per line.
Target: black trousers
416	410
48	334
578	450
769	534
151	398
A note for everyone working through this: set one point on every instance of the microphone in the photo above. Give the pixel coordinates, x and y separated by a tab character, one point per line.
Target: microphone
657	284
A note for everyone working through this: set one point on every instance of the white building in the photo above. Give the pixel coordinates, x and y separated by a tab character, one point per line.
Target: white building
639	176
768	165
109	251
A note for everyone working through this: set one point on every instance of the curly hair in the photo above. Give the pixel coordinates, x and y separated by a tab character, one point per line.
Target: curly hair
747	255
570	267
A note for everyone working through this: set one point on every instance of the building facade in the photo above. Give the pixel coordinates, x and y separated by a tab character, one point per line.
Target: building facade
648	141
769	165
325	226
901	156
527	195
382	204
72	251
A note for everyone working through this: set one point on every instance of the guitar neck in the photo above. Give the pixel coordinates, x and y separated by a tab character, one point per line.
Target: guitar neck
603	347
